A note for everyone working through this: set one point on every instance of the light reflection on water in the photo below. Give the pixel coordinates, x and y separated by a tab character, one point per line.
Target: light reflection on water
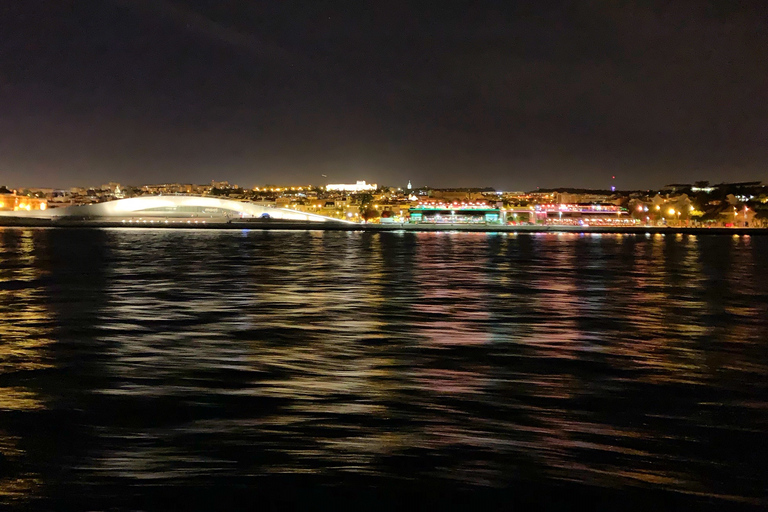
132	357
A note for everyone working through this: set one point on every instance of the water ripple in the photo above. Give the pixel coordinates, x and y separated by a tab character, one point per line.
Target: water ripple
146	357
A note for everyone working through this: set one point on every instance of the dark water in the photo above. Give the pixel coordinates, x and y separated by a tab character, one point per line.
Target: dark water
153	369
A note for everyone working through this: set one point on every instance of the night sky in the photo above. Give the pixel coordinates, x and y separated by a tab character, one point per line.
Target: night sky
503	94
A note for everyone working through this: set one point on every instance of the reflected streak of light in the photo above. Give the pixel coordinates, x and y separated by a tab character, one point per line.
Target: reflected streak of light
19	399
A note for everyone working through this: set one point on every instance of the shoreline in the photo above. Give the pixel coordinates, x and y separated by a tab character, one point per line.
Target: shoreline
332	226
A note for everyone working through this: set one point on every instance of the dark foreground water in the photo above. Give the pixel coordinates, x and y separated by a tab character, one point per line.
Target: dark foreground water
161	369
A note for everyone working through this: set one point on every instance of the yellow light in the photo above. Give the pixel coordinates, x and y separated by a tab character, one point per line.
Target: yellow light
671	211
43	206
658	207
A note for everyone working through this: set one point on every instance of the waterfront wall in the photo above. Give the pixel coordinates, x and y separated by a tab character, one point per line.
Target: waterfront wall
334	226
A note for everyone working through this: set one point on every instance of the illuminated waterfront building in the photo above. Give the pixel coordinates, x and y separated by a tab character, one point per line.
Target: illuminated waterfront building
16	203
169	207
455	213
583	214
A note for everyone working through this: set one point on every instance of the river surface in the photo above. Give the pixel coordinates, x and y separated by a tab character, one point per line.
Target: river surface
159	369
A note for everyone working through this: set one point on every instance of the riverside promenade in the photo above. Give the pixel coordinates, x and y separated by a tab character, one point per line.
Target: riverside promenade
272	224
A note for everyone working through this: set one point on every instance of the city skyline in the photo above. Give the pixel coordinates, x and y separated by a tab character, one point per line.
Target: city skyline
285	186
503	95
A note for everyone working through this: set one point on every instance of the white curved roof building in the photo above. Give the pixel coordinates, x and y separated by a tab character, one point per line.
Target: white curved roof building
172	207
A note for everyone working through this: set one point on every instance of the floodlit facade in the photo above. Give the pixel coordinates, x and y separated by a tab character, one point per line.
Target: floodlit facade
360	186
14	203
599	214
455	213
168	207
